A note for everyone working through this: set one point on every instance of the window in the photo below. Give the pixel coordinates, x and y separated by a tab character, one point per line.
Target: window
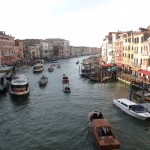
124	104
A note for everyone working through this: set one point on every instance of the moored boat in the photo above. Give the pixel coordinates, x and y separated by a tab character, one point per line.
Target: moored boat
131	108
19	85
43	81
102	132
3	83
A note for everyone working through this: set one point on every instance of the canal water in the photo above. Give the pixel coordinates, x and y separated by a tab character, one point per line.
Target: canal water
49	119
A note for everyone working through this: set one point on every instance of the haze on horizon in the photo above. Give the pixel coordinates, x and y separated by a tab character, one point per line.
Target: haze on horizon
82	22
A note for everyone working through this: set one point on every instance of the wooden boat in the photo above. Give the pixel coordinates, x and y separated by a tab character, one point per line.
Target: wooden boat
103	133
43	81
146	96
65	79
66	89
131	108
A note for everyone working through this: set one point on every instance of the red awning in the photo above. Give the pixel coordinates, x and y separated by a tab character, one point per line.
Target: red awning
144	72
107	65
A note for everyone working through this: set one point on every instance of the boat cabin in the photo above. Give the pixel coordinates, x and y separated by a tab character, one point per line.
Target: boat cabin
102	126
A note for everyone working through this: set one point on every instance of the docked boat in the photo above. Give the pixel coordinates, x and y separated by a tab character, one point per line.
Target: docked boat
3	83
138	95
131	108
51	69
65	79
37	68
102	132
19	85
43	81
66	89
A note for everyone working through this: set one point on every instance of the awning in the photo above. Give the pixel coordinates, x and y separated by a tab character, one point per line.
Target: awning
144	72
112	69
135	68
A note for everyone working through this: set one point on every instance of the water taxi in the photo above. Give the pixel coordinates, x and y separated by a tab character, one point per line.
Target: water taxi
37	68
102	132
19	85
131	108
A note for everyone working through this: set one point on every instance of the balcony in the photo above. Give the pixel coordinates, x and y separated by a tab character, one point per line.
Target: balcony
136	65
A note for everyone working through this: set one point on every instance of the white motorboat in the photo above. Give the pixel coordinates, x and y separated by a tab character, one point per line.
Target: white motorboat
132	108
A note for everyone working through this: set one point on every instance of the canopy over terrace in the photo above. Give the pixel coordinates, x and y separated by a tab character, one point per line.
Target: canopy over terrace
145	72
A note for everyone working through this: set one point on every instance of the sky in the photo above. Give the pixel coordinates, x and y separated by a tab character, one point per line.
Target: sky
82	22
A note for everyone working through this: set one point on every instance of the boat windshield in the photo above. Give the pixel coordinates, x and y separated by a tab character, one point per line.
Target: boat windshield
137	108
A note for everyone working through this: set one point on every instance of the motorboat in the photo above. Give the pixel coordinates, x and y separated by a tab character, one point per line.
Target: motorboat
66	89
77	62
131	108
37	68
43	81
51	69
65	79
19	85
58	66
102	132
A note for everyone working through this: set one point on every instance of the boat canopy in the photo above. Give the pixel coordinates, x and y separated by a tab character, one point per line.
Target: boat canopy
101	123
112	69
